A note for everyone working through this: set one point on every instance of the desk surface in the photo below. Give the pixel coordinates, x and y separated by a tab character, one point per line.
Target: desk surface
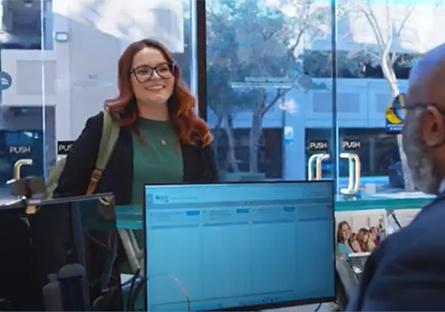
130	216
383	201
10	202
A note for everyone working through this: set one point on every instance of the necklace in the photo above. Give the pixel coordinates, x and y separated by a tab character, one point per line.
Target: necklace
145	144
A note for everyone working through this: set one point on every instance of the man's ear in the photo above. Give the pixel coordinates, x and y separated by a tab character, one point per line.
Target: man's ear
432	126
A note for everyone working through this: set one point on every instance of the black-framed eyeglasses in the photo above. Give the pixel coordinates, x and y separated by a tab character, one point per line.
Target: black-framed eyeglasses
144	73
400	108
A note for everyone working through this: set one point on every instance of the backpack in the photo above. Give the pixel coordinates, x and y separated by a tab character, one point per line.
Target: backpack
110	133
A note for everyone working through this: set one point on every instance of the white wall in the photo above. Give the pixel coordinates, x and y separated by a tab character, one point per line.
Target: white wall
99	31
361	103
81	73
26	68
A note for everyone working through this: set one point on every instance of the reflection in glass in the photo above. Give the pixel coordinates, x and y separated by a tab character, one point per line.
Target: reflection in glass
378	43
22	136
269	71
21	24
258	84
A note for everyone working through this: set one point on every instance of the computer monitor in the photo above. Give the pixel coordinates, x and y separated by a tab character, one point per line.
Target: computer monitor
239	245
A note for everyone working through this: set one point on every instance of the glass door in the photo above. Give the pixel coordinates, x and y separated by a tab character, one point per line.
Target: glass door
89	39
269	99
59	64
377	44
27	89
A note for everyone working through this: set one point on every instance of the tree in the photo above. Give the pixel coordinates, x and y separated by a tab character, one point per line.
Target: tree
223	103
223	100
258	46
387	30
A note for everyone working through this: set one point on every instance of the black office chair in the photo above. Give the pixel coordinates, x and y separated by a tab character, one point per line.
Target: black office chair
18	289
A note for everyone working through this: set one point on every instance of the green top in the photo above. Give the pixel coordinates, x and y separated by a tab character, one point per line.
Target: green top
156	160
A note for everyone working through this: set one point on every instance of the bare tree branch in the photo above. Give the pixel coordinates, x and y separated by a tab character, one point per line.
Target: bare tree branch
387	47
388	23
394	57
401	28
387	62
280	93
260	107
303	28
405	19
297	42
375	28
374	22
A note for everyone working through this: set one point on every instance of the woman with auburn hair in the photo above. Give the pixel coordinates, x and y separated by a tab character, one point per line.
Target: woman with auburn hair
161	140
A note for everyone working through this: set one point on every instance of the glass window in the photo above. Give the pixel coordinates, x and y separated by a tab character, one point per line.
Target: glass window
52	81
87	73
378	43
27	81
259	91
24	136
271	100
22	22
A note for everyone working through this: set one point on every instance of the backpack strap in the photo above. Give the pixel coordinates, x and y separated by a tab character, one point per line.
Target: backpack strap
110	133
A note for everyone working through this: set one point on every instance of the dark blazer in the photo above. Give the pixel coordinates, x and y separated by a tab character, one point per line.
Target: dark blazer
407	272
198	162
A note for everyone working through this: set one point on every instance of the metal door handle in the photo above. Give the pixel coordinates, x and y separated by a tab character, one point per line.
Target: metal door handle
354	174
318	171
18	165
310	173
318	159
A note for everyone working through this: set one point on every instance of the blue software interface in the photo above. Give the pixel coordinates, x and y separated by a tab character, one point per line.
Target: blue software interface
217	246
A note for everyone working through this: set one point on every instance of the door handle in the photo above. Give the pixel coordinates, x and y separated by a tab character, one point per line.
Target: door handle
318	159
18	166
354	173
310	173
318	170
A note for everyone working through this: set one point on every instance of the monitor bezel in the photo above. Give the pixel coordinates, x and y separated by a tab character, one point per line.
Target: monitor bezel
262	306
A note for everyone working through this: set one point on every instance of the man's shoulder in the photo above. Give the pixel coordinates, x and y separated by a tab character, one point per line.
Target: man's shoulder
428	224
413	256
423	237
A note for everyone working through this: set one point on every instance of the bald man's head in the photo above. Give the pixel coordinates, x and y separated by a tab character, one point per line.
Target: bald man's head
427	78
424	129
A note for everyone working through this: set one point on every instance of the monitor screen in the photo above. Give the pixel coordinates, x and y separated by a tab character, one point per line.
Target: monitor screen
239	245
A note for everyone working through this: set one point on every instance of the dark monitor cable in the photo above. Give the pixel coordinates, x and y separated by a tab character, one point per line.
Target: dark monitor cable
318	307
130	303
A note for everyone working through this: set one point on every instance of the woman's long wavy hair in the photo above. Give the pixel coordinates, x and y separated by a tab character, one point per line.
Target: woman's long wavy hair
339	233
190	128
